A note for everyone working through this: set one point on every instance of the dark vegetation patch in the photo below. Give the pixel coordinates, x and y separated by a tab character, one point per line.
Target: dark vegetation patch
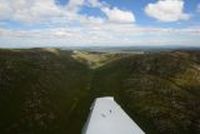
49	92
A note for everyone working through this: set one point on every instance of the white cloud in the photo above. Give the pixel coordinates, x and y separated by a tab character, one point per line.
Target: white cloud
29	11
65	26
118	16
5	10
167	10
104	34
114	14
74	5
34	11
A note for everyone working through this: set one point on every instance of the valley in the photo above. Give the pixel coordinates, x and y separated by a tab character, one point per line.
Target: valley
50	91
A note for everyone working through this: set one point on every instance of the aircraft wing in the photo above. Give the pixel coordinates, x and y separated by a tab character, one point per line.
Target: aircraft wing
107	117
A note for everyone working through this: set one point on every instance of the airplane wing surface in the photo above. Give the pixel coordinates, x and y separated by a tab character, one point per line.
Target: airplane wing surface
107	117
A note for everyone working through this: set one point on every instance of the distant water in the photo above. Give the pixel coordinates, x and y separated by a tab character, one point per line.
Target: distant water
131	49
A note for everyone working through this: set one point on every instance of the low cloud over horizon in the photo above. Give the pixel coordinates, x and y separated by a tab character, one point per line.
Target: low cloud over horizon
60	23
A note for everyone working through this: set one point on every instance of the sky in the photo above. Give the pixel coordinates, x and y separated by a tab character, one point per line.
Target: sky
64	23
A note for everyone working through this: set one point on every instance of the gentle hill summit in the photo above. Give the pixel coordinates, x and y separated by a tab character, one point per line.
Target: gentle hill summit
94	59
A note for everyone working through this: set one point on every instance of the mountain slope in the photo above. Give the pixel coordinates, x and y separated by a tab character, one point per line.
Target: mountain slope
50	91
40	90
160	91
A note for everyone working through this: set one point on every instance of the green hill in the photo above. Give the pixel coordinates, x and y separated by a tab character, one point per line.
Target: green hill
49	91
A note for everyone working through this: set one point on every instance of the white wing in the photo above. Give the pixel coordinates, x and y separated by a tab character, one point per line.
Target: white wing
107	117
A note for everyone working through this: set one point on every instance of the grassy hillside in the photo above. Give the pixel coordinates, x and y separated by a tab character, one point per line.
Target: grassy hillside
160	91
40	92
94	59
50	91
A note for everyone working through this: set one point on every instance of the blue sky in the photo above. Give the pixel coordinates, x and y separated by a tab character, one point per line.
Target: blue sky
46	23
